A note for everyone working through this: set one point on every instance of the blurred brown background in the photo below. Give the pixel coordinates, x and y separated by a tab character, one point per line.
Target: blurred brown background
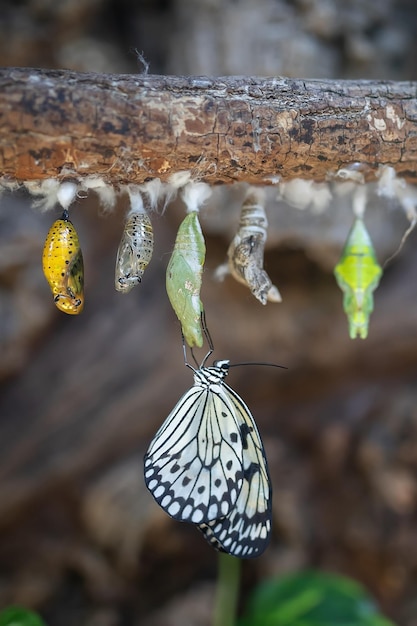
81	539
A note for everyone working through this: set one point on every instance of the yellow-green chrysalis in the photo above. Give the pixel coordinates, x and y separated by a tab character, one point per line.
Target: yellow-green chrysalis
184	277
358	274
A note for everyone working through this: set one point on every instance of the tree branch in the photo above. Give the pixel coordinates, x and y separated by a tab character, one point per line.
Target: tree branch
126	128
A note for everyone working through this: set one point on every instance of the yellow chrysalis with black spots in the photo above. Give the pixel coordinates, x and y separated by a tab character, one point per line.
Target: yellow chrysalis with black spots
63	266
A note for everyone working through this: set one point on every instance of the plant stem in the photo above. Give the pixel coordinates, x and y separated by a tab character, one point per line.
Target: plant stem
227	590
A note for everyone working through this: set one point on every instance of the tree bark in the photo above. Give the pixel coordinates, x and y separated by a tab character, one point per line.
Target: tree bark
129	129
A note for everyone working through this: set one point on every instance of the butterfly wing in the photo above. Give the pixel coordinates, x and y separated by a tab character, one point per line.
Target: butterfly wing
245	531
193	466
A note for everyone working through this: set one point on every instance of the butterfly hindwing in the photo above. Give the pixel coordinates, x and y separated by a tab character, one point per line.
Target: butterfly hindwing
245	531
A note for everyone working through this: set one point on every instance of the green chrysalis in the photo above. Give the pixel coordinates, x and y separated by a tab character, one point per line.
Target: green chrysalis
184	278
358	274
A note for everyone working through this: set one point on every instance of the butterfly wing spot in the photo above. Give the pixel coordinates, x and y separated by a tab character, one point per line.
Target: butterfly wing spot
198	516
250	471
245	431
174	509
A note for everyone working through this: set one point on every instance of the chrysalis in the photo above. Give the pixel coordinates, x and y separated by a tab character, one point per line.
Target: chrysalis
358	274
136	246
63	266
184	278
246	252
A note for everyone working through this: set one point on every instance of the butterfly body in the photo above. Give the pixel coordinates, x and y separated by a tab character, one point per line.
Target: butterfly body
184	278
134	252
63	266
358	274
206	465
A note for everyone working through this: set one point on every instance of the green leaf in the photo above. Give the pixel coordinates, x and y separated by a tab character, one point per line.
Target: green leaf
17	616
311	599
184	278
358	274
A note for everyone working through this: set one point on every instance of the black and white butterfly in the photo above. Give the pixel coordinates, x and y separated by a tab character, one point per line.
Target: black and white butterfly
207	465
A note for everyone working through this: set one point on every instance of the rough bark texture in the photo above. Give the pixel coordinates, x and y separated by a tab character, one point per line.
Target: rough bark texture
133	128
82	541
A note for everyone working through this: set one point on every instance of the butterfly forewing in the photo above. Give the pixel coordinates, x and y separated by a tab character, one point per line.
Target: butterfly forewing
194	465
245	531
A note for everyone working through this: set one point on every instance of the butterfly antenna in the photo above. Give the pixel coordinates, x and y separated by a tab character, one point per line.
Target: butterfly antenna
258	363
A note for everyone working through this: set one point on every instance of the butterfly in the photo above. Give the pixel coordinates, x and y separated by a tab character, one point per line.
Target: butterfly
358	274
184	278
134	252
207	465
62	262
